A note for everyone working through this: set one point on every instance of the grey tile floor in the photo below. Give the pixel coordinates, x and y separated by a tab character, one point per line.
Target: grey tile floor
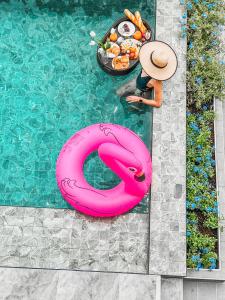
65	239
59	285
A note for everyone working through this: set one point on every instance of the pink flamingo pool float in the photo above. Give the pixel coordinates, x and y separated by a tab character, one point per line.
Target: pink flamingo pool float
122	151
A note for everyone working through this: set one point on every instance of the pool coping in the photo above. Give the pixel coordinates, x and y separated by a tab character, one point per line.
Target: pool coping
168	210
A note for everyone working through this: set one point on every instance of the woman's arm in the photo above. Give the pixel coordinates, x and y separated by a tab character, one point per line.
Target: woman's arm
156	102
152	102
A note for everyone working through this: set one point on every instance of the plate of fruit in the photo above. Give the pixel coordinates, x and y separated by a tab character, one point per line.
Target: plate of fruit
131	48
126	28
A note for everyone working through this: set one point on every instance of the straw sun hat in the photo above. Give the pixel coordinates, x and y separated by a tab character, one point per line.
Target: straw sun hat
158	60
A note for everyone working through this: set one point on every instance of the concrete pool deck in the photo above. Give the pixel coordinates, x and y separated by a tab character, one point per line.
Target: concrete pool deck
153	245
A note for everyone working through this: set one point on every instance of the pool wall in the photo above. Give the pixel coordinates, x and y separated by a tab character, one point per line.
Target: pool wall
65	239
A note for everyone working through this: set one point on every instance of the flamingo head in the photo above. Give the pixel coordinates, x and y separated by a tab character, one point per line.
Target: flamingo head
139	175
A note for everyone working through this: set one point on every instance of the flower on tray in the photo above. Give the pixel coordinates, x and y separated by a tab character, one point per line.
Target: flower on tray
92	43
92	34
101	50
98	42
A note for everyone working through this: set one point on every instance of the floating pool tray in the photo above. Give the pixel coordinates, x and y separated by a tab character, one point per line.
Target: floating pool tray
108	68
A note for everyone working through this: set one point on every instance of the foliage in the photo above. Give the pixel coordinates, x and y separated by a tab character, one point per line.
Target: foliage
202	209
201	24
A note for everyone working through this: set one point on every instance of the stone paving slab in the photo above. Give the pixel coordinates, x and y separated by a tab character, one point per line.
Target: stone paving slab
66	285
171	288
65	239
168	211
203	290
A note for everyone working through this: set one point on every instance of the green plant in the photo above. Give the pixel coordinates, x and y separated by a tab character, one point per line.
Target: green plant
205	71
205	81
202	210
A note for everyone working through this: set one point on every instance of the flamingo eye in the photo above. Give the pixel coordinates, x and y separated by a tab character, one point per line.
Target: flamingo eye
132	169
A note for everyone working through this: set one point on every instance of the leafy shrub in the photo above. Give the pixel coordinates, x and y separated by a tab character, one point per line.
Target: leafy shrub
202	24
202	208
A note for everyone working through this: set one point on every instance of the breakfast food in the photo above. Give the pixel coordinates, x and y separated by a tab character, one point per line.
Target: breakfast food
148	35
126	28
120	40
113	37
137	35
136	20
133	52
121	62
113	51
140	25
121	44
126	45
131	48
134	55
130	16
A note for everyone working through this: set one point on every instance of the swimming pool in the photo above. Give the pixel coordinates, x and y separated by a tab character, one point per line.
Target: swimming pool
51	87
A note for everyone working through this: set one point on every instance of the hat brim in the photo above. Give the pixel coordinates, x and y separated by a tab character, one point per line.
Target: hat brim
158	73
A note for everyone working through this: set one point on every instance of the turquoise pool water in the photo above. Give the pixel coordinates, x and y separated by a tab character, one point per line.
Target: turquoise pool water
51	86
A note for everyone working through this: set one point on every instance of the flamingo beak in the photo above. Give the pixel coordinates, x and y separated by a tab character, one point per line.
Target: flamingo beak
140	176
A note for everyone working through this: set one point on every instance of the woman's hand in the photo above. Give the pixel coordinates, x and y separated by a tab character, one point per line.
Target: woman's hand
133	99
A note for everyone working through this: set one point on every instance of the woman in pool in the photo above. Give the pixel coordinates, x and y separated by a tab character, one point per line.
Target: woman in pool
159	63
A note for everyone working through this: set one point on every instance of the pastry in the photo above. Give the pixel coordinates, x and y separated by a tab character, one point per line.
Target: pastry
121	62
130	16
113	51
140	25
136	20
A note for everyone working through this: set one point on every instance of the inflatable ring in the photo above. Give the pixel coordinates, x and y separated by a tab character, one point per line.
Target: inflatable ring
122	151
